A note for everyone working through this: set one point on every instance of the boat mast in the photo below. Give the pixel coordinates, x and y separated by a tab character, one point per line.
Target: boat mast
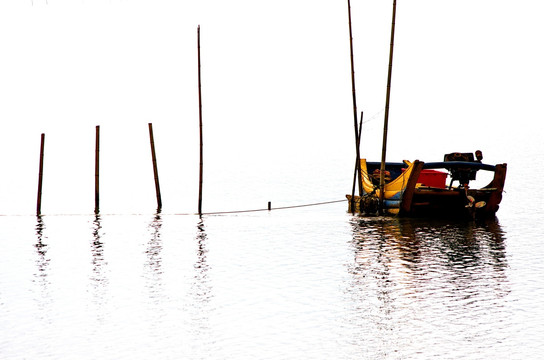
386	119
357	136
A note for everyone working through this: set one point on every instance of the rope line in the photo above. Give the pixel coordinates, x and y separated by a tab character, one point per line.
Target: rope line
206	213
272	208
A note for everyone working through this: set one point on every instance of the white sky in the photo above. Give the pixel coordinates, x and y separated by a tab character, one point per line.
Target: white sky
276	81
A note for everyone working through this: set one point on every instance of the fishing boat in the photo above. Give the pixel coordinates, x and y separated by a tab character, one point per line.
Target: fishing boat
418	188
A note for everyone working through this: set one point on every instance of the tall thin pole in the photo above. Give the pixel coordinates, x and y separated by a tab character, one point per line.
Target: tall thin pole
357	166
97	172
155	170
386	118
200	126
40	177
354	98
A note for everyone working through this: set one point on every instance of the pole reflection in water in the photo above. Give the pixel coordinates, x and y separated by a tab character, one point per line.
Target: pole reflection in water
42	263
98	277
413	278
153	265
201	293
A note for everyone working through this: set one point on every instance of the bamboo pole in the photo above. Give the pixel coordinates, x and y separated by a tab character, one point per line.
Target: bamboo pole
97	172
155	170
200	126
354	100
386	117
40	177
357	167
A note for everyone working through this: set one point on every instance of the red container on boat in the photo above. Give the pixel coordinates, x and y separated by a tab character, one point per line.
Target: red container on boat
432	178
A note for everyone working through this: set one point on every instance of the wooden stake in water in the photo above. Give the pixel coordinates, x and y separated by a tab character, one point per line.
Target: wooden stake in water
357	172
97	172
386	117
200	126
40	178
354	100
155	171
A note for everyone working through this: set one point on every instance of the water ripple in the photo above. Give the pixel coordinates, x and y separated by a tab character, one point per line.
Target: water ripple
265	286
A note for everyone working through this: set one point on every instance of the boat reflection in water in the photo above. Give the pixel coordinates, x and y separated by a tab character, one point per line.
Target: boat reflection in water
416	283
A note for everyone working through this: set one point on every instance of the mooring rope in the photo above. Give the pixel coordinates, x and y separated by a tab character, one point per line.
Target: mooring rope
192	214
272	208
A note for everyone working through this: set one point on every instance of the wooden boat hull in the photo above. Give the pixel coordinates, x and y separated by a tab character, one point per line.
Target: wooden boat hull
415	199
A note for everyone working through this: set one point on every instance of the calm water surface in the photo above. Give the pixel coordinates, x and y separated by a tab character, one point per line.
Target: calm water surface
309	283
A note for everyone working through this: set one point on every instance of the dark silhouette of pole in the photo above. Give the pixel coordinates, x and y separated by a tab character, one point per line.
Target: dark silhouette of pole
357	172
155	170
40	177
97	172
200	126
354	99
386	117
